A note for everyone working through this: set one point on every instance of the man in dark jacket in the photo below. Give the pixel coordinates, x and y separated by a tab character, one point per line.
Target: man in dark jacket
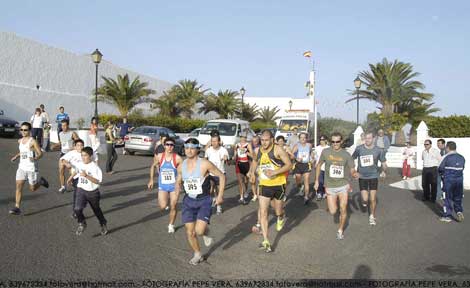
451	170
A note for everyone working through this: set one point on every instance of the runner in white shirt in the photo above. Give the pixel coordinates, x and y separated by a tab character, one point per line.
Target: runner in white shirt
89	180
320	194
66	141
218	155
29	154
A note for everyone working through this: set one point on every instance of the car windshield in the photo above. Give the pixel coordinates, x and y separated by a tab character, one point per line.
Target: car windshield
145	130
289	124
225	129
195	132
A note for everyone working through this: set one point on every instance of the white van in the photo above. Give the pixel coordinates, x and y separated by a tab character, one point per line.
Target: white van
229	130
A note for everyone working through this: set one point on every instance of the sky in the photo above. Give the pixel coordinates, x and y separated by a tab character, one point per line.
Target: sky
259	44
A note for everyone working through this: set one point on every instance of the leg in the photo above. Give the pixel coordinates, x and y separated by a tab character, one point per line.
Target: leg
80	204
18	194
162	199
109	156
200	228
433	182
306	179
321	186
447	194
94	199
298	180
457	195
173	211
425	184
114	159
373	202
241	185
279	207
343	205
332	201
192	239
40	135
263	210
438	187
61	173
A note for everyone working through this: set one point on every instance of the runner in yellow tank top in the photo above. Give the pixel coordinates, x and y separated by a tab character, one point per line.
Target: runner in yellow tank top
271	165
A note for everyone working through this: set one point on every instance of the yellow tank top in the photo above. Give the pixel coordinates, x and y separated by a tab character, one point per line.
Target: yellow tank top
267	161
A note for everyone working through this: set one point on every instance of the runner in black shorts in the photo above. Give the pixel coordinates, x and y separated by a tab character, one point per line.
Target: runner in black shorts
243	153
303	165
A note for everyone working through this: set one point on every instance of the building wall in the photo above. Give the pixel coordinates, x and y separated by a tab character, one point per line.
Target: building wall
65	79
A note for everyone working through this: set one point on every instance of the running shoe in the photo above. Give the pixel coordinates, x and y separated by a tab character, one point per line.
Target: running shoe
254	198
306	201
266	246
74	215
43	182
171	228
318	197
324	195
167	208
62	189
104	229
219	209
207	240
340	235
301	189
196	259
445	219
372	220
15	211
241	201
80	229
280	223
460	216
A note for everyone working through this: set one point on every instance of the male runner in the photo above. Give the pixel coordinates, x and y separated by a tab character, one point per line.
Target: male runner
368	156
90	177
167	163
243	152
271	163
303	165
337	163
318	150
193	174
71	160
66	138
218	155
29	154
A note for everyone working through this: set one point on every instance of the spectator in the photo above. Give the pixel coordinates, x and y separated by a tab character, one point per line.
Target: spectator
441	145
61	116
293	139
45	114
408	154
94	139
431	158
124	128
46	137
37	122
159	148
451	170
382	140
110	149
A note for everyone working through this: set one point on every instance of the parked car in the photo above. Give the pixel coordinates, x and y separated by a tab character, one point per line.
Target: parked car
229	130
8	126
144	140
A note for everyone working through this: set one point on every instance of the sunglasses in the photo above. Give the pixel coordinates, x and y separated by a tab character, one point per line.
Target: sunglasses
24	130
427	144
169	144
335	142
190	145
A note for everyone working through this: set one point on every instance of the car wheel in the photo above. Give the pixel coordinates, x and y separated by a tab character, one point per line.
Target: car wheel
130	152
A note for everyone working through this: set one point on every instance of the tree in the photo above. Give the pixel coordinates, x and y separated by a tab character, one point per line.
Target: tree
250	112
123	94
392	86
180	99
268	115
223	103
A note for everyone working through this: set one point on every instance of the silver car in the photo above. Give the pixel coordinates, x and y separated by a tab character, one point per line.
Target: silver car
144	140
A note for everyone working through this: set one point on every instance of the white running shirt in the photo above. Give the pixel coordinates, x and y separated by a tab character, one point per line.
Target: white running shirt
94	171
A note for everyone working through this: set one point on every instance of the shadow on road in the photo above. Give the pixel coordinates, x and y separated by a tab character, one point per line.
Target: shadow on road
12	200
121	180
434	207
362	272
48	209
448	270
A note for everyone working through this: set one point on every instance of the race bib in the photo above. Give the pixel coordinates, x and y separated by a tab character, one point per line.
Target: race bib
336	171
241	152
367	160
167	176
24	156
83	180
303	156
263	168
193	186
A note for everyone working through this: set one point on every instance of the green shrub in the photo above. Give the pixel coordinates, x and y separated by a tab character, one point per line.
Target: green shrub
451	126
179	125
328	125
258	125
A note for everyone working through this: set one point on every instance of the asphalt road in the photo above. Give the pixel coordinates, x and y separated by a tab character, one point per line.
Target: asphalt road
408	242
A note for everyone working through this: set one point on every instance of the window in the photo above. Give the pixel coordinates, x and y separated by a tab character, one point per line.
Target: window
225	129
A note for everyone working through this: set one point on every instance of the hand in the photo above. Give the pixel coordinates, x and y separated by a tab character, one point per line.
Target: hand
316	185
150	185
69	181
252	178
356	175
32	159
350	189
83	173
219	200
13	159
269	173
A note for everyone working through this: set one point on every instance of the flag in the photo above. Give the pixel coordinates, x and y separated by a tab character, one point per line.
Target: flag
308	54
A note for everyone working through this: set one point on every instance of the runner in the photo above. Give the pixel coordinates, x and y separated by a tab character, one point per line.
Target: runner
193	174
71	160
66	140
368	156
89	180
272	162
243	152
218	155
321	185
303	165
337	186
255	144
281	141
167	164
29	154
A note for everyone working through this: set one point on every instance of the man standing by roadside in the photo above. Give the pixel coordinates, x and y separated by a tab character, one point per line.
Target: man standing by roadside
431	158
451	170
368	156
383	143
124	129
46	129
61	116
293	139
441	145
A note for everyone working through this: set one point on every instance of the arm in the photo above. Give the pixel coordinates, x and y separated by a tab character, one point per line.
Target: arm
317	174
383	160
251	153
70	179
280	153
442	166
37	149
75	136
89	178
179	180
216	172
253	167
156	160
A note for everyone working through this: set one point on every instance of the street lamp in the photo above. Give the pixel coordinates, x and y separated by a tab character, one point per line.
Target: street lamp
242	92
290	104
96	56
357	84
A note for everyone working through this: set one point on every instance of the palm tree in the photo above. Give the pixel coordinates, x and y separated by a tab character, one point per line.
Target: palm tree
123	93
180	99
225	103
268	115
250	112
392	86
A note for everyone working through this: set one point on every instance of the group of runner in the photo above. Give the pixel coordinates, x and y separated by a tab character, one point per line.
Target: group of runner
266	163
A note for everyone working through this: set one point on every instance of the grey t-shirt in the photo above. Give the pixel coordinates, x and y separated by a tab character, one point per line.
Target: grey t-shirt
337	167
367	161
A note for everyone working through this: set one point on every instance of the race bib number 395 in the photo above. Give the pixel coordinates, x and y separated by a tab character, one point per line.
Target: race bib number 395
336	171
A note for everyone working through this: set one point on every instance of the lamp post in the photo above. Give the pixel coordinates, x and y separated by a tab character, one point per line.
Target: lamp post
96	56
242	92
357	84
290	104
